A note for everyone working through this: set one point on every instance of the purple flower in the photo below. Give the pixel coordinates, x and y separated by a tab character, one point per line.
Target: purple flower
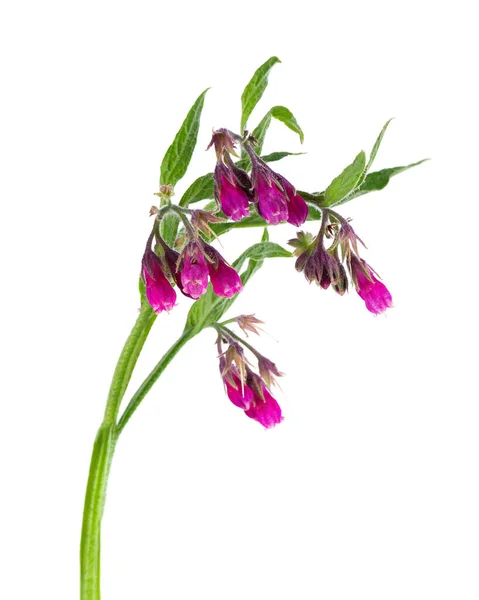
272	204
297	207
159	292
233	198
374	293
224	279
194	272
265	408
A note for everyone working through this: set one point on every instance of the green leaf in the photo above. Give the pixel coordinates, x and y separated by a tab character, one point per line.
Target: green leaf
375	149
169	228
379	179
178	155
345	183
210	308
255	89
283	114
201	189
259	132
274	156
265	236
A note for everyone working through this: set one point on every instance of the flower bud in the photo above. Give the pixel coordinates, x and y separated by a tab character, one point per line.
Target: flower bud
375	294
159	292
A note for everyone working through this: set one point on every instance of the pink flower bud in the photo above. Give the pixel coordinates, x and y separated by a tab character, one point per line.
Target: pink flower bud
272	204
233	199
242	398
194	273
374	293
159	292
265	409
224	279
297	207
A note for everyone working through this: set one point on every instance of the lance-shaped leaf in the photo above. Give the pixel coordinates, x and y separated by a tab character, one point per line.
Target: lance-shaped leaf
178	156
255	89
201	189
210	308
345	183
281	113
375	149
379	179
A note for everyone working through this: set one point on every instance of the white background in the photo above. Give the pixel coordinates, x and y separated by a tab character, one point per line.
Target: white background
369	488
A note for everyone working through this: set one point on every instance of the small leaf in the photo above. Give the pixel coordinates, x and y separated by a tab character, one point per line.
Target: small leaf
345	183
201	189
274	156
255	89
375	149
178	155
265	236
169	228
260	251
284	115
259	132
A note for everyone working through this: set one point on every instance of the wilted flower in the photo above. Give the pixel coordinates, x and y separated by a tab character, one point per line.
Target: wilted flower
248	323
268	371
159	292
374	293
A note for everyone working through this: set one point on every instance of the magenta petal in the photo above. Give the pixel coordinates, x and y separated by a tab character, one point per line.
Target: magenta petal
272	204
159	292
238	398
374	293
194	276
267	412
234	201
224	279
297	207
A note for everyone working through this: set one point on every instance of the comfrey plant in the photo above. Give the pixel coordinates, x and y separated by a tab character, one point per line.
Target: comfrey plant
242	191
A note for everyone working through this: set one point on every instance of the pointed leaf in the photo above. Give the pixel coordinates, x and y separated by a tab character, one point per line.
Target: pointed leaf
178	155
345	183
284	115
375	149
201	189
259	132
274	156
255	89
379	179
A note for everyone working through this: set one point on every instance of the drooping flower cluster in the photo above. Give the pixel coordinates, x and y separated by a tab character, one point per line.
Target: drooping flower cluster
191	270
326	267
246	389
274	197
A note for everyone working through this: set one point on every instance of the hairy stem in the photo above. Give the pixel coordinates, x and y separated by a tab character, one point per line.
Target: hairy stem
148	383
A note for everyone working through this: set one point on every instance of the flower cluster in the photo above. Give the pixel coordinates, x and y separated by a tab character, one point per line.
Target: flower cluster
326	267
191	270
274	197
246	389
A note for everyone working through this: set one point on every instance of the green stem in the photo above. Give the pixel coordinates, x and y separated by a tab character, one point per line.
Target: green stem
148	383
102	456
